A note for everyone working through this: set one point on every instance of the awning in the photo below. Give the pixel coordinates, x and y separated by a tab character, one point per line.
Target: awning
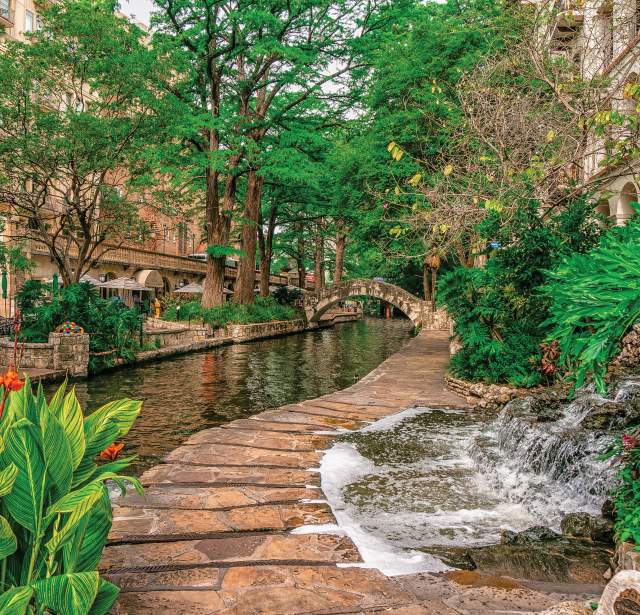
150	278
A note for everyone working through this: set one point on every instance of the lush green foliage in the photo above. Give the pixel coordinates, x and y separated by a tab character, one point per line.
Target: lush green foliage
262	310
75	110
55	512
114	329
594	300
626	451
499	311
287	295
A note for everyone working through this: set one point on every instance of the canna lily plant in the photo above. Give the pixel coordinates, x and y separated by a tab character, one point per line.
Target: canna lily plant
55	513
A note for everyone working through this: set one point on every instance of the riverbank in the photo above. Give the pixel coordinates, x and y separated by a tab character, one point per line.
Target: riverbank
235	520
173	339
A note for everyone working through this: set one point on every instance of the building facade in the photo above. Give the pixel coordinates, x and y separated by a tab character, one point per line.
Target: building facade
603	38
172	254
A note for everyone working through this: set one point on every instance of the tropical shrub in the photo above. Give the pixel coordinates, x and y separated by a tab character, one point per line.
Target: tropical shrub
498	310
287	295
626	451
55	513
594	300
114	329
261	310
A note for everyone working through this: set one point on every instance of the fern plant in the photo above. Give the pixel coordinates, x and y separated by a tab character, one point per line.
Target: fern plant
594	300
55	513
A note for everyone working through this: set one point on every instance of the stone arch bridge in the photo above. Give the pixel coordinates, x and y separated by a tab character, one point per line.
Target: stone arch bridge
417	310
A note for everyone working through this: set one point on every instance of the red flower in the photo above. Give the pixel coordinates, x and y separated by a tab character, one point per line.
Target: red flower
112	452
629	442
11	380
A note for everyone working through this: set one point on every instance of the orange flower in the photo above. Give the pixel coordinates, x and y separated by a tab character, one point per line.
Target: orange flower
11	379
112	452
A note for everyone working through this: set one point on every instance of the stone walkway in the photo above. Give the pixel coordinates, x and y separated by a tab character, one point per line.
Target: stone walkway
213	533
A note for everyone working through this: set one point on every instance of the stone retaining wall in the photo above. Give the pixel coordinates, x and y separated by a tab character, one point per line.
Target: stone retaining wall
486	396
63	353
177	336
245	333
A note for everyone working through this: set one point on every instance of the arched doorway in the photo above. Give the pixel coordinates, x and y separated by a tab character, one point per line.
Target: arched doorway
604	208
625	210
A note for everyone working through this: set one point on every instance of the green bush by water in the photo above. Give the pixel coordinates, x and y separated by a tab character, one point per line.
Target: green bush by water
55	512
114	329
262	310
499	310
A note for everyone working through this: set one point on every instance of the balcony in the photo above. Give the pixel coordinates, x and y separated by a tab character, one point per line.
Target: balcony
137	258
7	14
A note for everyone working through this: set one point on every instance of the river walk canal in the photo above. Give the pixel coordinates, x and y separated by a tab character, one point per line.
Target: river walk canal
188	393
240	518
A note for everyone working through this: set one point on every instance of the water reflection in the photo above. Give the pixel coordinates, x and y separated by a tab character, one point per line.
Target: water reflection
191	392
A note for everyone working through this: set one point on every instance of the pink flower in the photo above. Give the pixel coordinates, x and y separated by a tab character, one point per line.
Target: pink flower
385	206
629	442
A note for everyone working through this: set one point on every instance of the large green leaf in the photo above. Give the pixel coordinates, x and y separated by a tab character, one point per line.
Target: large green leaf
8	542
107	594
108	423
15	601
24	502
56	451
85	555
77	505
7	478
68	411
68	593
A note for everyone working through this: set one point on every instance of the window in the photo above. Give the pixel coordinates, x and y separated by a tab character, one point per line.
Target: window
29	21
5	9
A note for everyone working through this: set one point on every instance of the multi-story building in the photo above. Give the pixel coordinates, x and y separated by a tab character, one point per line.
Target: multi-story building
172	255
603	38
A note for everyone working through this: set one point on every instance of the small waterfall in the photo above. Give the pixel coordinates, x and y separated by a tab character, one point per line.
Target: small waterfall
424	486
550	466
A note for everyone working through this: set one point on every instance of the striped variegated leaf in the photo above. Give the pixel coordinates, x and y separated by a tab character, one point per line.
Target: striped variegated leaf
68	593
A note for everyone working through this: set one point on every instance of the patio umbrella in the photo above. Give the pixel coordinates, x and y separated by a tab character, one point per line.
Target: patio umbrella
90	280
191	289
125	284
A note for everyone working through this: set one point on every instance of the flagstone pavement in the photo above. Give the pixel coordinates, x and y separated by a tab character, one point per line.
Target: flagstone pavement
212	535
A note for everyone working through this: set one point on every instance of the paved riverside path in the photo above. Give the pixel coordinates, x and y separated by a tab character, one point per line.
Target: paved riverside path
213	533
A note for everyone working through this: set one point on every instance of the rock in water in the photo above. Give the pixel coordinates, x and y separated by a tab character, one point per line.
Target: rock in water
584	525
538	533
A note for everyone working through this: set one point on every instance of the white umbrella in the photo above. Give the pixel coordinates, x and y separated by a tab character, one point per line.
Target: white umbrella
193	289
125	284
90	280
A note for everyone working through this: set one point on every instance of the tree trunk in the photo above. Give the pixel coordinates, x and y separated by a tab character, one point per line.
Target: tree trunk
247	270
341	242
266	251
218	225
434	279
426	282
302	272
319	263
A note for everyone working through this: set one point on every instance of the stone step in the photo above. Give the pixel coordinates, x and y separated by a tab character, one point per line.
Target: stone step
175	473
229	550
275	590
215	498
353	413
268	441
254	424
312	421
212	454
129	524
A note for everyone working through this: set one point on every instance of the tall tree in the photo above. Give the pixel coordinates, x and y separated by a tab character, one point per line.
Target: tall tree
75	112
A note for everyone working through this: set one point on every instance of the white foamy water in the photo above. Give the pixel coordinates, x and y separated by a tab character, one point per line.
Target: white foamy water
454	478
